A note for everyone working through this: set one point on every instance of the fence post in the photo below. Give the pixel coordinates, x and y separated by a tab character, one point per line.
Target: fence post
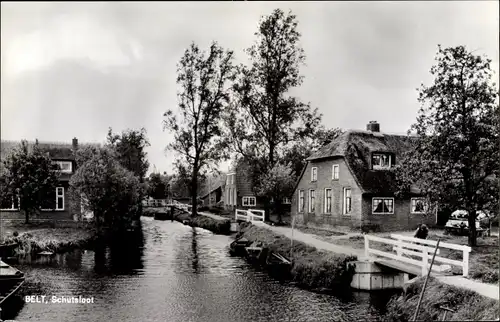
465	268
425	261
399	247
367	245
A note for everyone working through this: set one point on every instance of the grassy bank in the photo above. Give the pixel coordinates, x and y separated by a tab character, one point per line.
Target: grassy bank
214	225
467	305
55	240
311	268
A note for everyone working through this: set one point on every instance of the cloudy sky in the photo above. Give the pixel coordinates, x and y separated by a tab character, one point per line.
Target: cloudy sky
75	69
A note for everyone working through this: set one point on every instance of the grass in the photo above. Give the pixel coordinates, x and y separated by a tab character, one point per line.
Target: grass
214	225
467	305
311	268
51	239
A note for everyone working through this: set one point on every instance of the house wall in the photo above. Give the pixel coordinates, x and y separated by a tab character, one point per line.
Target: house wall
324	180
401	219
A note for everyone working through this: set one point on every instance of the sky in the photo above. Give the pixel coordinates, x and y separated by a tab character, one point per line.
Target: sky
76	69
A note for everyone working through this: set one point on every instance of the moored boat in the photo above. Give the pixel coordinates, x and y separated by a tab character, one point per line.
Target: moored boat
11	280
278	264
7	250
237	247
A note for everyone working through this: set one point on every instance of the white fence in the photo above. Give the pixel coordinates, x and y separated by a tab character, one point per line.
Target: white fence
155	203
249	215
404	245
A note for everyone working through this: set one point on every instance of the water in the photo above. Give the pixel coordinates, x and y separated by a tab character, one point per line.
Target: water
174	273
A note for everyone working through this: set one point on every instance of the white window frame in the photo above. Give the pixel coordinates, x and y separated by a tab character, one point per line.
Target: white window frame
344	207
301	201
426	207
248	201
59	164
328	211
378	167
314	174
383	213
59	195
335	172
312	204
12	208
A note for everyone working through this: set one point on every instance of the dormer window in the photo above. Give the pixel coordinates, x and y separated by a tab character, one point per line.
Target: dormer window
64	166
381	161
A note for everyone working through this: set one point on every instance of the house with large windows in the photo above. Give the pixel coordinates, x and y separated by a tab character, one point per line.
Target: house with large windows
239	192
56	204
350	183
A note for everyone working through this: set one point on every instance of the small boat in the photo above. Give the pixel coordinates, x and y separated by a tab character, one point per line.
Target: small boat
237	247
7	250
11	279
278	264
254	251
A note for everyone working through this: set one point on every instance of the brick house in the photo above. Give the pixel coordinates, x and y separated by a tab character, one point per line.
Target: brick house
239	192
213	193
350	183
56	206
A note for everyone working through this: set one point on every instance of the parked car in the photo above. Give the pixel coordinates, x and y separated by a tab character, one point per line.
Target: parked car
459	222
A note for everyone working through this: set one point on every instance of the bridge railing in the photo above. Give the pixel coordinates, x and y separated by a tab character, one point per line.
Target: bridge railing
249	215
422	248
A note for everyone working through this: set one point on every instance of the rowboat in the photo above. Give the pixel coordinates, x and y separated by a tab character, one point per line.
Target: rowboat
237	247
11	279
7	250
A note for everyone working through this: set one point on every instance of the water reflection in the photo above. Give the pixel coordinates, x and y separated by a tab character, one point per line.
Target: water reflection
172	272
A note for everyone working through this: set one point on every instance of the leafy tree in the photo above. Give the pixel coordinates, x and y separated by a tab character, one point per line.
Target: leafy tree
29	174
102	185
278	182
455	160
203	96
265	120
130	152
157	186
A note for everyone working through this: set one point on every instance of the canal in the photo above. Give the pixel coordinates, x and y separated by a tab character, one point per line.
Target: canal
172	272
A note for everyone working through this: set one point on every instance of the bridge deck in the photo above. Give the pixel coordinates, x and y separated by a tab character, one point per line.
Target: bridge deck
404	267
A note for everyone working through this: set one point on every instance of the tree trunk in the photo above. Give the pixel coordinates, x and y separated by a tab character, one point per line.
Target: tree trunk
27	216
194	193
472	240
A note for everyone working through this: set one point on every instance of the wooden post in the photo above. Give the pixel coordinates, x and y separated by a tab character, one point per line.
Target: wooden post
465	268
367	245
425	261
426	280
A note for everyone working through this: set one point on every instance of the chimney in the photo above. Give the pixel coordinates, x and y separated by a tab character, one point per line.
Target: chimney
75	143
373	126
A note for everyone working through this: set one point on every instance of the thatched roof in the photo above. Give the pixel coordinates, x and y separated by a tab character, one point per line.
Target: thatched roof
56	150
356	147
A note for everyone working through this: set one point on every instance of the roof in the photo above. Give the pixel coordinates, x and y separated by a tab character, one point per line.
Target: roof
215	184
56	150
356	147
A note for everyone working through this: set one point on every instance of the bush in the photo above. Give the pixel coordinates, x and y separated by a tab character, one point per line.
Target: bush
214	225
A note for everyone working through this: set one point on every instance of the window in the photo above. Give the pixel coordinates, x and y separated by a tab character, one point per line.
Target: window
59	198
312	200
64	166
314	174
335	172
232	179
301	201
381	161
249	201
11	203
383	206
230	197
328	200
287	201
347	201
418	205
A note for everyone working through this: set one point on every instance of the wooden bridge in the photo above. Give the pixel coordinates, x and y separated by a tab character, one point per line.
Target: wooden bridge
250	215
412	256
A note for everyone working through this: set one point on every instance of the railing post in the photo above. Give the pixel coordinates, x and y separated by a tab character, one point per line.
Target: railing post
367	246
465	265
425	261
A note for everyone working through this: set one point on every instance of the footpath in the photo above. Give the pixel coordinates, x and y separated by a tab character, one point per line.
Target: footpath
488	290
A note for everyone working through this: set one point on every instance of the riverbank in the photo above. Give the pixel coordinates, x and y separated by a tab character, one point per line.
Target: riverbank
55	240
312	268
222	226
467	305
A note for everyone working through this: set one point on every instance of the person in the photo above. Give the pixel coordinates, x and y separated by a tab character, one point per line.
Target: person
422	232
